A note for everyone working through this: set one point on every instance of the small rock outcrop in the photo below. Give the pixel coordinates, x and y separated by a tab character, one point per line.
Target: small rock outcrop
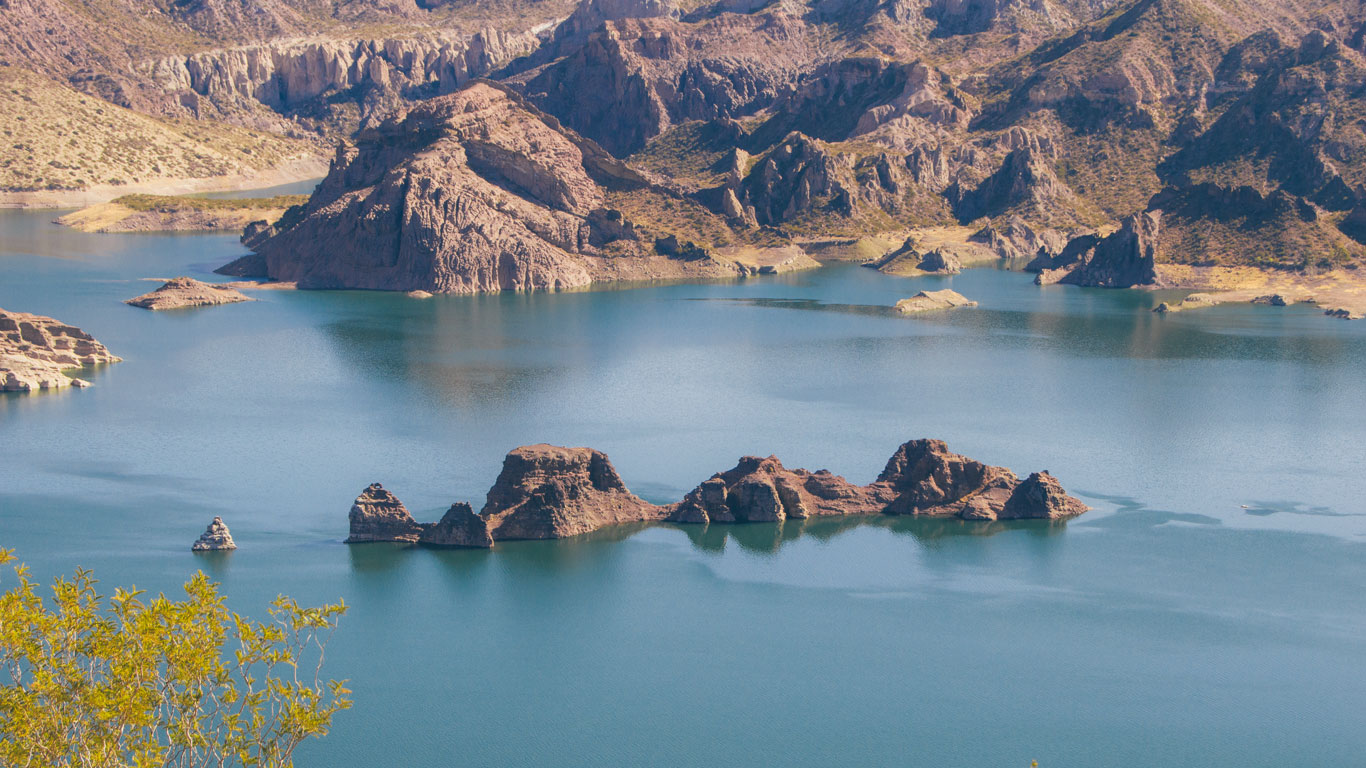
927	301
215	537
940	262
1123	259
763	490
35	350
181	292
459	527
378	515
549	492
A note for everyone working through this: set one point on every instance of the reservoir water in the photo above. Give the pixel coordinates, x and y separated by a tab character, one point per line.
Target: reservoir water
1210	610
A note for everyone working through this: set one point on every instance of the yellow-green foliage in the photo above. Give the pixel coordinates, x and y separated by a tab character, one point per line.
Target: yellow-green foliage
185	202
124	680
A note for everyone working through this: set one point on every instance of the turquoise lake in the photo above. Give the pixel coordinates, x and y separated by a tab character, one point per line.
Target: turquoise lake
1209	611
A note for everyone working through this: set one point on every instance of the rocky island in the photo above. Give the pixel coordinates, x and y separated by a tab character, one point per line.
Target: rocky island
35	352
550	492
928	301
215	538
182	292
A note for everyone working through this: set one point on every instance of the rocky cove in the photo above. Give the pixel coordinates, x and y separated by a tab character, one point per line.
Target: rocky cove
550	492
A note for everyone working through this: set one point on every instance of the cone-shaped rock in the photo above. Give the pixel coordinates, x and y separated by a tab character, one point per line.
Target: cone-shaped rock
215	537
378	515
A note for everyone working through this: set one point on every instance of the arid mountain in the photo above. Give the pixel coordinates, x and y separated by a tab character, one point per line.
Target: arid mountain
479	191
1235	125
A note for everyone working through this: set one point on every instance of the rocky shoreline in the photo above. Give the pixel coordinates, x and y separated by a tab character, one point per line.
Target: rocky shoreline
36	350
551	492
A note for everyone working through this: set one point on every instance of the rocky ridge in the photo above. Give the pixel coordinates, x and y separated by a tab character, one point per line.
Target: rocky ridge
479	191
549	492
36	350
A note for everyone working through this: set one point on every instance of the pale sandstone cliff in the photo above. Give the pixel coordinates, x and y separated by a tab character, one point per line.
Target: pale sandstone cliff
35	350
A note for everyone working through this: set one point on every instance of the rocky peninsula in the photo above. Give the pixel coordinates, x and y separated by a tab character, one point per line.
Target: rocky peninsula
178	213
480	191
182	292
551	492
36	350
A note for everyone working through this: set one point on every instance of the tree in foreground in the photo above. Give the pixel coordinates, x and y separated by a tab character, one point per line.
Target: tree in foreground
94	681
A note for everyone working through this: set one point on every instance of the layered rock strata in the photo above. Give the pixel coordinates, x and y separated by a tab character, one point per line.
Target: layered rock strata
181	292
550	492
35	350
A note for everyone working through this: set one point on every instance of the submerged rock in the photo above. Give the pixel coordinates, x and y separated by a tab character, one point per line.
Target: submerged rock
35	350
180	292
378	515
215	537
926	301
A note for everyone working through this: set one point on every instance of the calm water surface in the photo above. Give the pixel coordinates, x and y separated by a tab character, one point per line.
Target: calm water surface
1210	611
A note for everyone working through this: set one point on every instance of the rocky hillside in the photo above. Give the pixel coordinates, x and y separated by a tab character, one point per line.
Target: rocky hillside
1236	125
57	139
480	191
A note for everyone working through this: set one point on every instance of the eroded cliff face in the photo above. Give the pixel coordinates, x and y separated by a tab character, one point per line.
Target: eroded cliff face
318	83
1123	259
549	492
472	192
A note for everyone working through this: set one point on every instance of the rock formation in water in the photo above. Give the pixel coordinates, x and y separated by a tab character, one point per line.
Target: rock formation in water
181	292
378	515
472	192
459	527
215	537
927	301
549	492
35	350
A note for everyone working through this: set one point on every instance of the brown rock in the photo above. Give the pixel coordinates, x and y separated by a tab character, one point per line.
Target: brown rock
1123	259
34	350
924	478
763	490
180	292
476	191
549	492
378	515
1040	496
459	527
